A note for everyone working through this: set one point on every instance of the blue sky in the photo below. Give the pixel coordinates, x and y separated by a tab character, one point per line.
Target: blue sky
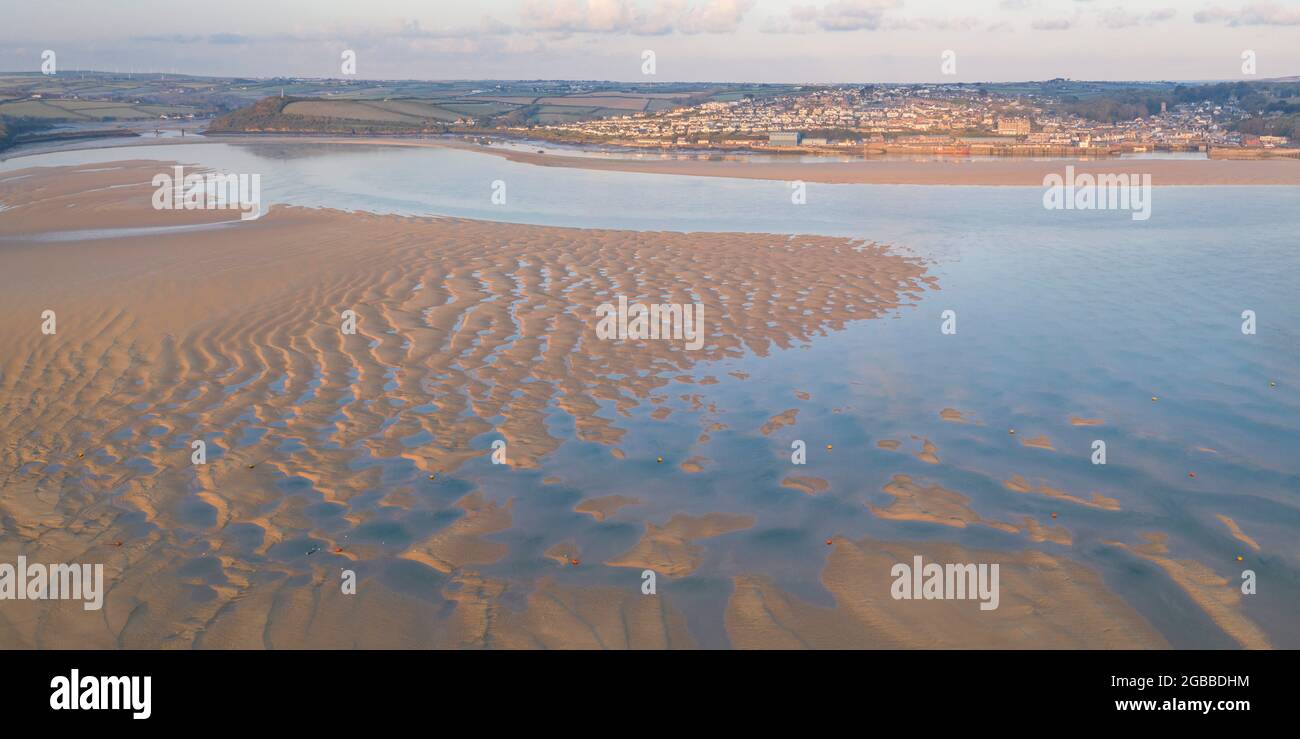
693	40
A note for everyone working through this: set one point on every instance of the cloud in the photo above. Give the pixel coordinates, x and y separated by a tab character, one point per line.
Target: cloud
854	15
170	38
179	38
1254	14
412	29
721	16
934	24
1120	18
628	16
849	15
1052	24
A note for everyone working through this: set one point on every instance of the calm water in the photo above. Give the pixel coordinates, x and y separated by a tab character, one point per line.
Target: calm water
1060	313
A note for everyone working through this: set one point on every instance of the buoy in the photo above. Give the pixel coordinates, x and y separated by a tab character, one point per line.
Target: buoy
828	446
828	542
1053	514
337	550
1272	384
1154	398
1191	474
574	562
1239	557
434	476
251	466
661	460
1011	431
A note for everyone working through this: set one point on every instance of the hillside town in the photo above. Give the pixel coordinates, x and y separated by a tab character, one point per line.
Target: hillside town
911	119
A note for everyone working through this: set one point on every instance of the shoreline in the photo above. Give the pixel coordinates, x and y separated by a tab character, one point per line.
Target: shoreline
1011	172
454	344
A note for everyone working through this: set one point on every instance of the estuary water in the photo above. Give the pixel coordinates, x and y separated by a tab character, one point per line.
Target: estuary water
1058	314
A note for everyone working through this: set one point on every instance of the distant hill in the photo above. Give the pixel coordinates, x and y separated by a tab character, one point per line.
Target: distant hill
316	115
350	113
1257	99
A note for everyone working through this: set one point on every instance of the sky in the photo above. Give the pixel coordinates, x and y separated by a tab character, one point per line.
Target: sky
692	40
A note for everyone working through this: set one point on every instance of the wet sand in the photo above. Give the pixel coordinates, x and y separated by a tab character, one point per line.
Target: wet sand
1023	172
1046	603
1217	595
467	332
1019	484
997	172
486	328
806	484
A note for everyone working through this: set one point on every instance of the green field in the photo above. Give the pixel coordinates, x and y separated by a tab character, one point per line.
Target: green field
364	111
54	111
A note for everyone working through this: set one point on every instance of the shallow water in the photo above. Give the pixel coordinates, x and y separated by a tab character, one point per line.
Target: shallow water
1059	314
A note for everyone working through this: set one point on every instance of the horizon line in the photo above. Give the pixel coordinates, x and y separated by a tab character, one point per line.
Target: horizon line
948	83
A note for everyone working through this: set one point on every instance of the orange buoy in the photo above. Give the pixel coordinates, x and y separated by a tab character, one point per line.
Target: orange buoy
828	446
1053	514
828	542
574	562
1191	474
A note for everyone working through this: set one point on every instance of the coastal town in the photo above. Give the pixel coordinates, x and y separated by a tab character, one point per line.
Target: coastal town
1047	118
919	119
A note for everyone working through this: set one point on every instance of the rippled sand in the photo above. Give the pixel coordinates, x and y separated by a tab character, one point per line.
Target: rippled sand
1046	602
466	332
216	334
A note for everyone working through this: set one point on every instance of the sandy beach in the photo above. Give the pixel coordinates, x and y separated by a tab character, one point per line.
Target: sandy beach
217	334
998	172
488	330
1018	172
